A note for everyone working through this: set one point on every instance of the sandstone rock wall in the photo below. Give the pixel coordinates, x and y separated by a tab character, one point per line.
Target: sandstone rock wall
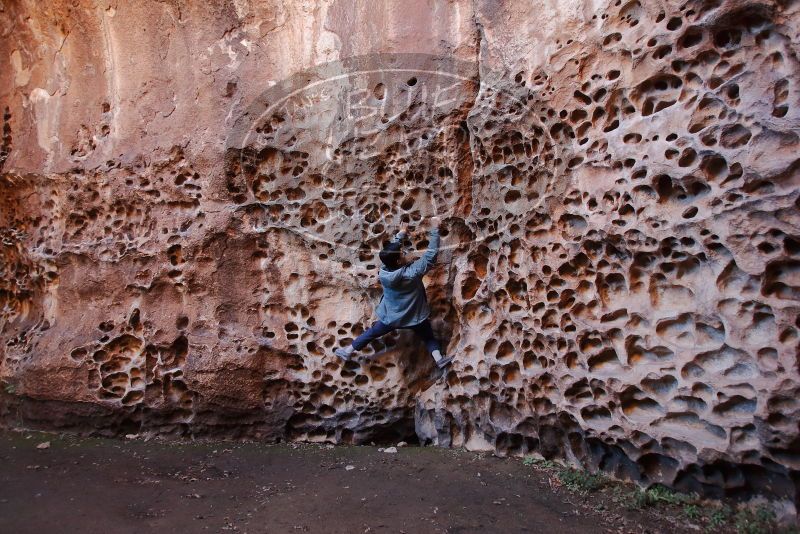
193	197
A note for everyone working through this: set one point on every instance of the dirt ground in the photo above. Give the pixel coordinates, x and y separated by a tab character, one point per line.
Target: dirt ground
92	485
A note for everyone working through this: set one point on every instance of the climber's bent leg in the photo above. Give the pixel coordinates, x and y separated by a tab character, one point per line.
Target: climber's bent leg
371	334
424	331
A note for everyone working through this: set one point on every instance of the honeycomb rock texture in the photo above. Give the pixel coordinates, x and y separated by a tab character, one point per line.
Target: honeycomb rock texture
620	274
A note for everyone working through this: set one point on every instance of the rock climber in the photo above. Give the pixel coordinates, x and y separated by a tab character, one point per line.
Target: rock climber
404	303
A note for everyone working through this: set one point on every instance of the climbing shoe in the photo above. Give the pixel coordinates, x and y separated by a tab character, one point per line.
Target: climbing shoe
444	362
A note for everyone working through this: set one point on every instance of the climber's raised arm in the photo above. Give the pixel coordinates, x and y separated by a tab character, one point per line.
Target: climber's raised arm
428	259
401	234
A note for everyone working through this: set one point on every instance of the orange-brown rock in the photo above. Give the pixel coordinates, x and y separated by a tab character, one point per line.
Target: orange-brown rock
193	196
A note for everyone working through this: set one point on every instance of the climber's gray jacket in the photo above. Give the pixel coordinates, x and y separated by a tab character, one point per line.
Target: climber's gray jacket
404	302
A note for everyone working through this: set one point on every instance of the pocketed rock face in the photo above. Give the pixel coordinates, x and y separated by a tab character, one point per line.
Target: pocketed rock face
644	319
619	282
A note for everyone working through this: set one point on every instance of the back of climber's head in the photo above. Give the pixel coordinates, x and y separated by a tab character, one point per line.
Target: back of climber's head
391	256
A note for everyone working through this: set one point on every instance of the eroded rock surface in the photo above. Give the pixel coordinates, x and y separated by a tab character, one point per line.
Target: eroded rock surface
183	247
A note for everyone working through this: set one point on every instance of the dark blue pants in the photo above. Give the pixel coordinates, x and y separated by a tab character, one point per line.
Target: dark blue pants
423	331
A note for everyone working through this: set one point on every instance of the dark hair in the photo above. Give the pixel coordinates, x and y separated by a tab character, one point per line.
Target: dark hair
391	256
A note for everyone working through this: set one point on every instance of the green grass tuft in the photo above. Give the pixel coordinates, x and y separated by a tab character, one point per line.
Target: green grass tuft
692	512
758	520
659	494
539	462
654	496
579	481
718	518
